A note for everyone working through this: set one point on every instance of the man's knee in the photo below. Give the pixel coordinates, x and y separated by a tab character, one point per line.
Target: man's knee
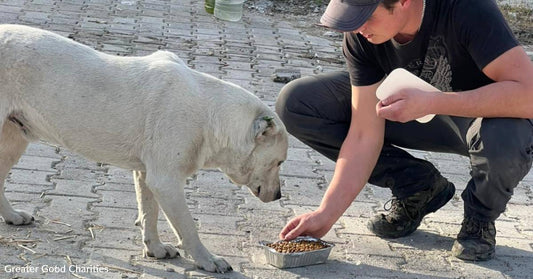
296	101
290	94
504	143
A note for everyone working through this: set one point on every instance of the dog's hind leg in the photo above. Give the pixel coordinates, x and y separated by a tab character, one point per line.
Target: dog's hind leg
147	220
12	146
169	193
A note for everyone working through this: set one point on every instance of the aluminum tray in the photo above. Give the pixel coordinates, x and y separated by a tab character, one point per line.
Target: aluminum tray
288	260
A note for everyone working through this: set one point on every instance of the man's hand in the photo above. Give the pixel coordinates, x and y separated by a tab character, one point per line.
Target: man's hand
313	224
406	105
510	95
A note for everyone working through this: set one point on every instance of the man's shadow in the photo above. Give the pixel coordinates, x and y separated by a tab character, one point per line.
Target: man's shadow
510	261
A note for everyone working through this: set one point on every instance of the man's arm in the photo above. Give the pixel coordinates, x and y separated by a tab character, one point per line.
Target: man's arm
358	154
357	158
511	95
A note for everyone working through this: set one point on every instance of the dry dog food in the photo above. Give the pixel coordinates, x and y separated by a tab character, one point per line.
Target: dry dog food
296	246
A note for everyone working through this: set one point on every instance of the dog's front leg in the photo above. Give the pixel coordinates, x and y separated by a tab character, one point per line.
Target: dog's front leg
147	220
171	197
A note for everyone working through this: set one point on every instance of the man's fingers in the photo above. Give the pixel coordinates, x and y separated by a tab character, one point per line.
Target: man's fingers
288	236
289	227
292	229
379	105
388	101
294	232
283	233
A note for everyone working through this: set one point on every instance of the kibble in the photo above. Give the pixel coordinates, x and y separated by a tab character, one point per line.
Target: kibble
296	246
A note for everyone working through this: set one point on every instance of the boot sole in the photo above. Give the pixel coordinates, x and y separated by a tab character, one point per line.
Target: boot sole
477	257
437	202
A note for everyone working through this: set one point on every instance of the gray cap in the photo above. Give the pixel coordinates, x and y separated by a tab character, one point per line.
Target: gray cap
348	15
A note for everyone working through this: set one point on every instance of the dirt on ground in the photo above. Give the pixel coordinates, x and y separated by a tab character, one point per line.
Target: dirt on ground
520	19
307	14
288	7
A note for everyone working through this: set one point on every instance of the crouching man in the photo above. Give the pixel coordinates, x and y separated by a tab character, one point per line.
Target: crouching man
466	50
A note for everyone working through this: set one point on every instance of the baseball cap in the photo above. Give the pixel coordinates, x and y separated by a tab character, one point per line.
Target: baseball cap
348	15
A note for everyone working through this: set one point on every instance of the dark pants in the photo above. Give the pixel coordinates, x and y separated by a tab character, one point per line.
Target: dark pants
317	111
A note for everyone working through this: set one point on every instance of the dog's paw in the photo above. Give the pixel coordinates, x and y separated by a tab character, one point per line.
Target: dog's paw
18	218
161	251
215	264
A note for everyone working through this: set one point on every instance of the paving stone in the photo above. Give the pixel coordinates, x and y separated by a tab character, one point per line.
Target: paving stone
118	175
42	150
36	189
115	217
208	223
302	169
162	269
73	188
117	262
116	199
270	272
428	263
68	210
303	191
112	238
376	265
36	177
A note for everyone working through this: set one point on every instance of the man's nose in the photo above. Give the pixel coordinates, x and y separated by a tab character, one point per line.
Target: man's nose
360	29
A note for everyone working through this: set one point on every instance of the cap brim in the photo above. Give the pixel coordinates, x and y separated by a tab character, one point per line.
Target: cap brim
343	17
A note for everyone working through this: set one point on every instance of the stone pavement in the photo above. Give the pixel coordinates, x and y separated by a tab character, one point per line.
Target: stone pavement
85	210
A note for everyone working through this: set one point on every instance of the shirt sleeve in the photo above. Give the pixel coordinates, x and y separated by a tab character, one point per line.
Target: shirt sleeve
360	61
482	30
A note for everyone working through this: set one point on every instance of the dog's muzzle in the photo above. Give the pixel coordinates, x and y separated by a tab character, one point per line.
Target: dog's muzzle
278	195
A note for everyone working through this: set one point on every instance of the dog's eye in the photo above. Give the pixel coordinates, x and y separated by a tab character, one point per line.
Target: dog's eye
279	163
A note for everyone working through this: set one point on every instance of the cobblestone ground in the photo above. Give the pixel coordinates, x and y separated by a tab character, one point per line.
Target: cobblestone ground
85	211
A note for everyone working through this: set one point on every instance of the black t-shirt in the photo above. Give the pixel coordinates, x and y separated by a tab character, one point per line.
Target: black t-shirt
457	39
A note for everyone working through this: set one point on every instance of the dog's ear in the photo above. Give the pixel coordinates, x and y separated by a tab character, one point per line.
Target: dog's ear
264	126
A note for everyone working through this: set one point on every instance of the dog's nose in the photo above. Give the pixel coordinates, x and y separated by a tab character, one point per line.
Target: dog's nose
278	195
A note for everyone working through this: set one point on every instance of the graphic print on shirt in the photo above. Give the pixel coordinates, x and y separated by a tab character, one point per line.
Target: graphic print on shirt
436	69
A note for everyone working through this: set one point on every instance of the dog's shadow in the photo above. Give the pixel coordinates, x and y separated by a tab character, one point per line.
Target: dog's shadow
344	270
163	268
179	267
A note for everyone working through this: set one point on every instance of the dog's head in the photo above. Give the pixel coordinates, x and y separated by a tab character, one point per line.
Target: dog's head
257	163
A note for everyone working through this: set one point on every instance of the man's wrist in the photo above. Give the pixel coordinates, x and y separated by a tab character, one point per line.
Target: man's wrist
329	214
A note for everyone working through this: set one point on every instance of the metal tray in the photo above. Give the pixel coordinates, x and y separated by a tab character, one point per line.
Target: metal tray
288	260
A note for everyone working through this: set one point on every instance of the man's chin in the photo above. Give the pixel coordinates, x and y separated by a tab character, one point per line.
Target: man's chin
375	40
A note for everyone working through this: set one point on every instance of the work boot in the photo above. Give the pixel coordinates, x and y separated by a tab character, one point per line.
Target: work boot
406	214
476	241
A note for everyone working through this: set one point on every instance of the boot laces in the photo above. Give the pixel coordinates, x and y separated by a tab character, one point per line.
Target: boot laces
399	208
472	227
477	228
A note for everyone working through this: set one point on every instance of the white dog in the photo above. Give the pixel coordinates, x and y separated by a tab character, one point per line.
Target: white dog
151	114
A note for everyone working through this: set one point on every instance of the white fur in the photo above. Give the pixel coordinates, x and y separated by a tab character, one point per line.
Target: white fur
150	114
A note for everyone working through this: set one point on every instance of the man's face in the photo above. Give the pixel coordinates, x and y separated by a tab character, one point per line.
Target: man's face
384	24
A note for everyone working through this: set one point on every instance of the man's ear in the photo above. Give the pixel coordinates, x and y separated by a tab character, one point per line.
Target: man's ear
405	3
264	126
